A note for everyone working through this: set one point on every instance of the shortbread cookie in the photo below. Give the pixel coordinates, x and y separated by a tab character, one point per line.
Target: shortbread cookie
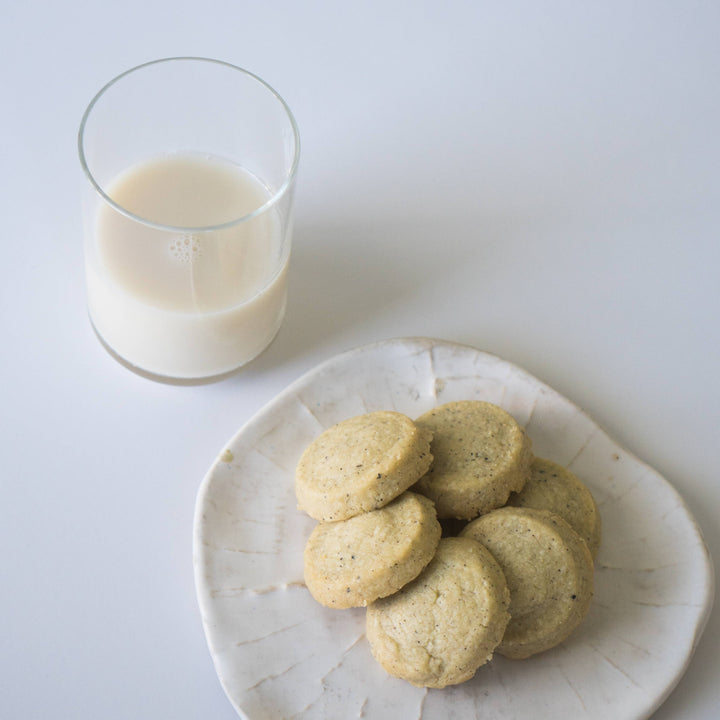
361	464
549	571
480	455
442	626
554	488
350	563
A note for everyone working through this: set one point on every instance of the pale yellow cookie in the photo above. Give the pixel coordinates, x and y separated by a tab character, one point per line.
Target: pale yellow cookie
480	455
350	563
446	623
554	488
549	571
361	464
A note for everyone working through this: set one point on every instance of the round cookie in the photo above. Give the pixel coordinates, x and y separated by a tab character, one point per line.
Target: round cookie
554	488
350	563
361	464
549	571
480	455
447	622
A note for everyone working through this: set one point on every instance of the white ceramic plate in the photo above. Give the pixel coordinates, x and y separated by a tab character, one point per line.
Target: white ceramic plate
279	654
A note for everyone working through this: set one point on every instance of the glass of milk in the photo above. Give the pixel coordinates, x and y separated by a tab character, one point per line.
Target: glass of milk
191	167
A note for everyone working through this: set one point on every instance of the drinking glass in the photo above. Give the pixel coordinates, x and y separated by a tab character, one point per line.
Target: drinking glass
187	210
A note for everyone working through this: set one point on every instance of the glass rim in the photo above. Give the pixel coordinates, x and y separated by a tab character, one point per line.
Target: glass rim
272	200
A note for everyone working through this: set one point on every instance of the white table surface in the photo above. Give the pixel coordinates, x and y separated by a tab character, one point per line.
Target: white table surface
538	180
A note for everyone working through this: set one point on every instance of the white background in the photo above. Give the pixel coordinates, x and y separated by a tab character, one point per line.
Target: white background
536	179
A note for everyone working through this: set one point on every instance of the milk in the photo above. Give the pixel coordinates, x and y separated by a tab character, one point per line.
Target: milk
187	302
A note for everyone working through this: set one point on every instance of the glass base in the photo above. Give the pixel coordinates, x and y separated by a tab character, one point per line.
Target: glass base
173	380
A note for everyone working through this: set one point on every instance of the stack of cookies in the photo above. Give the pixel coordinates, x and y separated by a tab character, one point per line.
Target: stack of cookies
457	539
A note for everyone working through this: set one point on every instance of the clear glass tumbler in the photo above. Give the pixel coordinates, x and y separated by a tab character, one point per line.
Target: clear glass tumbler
191	166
